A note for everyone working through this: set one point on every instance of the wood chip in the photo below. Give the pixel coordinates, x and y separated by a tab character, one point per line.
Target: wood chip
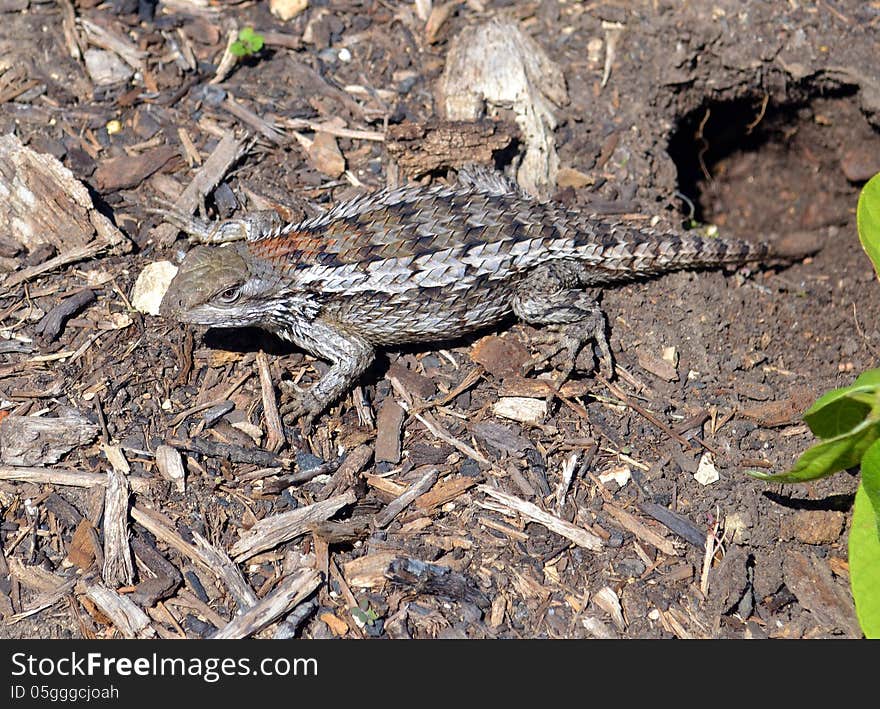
500	356
368	571
441	145
269	532
211	559
44	203
389	426
170	465
830	602
658	366
422	485
118	563
126	617
608	601
446	491
640	529
127	171
325	156
520	409
61	476
578	535
291	591
32	440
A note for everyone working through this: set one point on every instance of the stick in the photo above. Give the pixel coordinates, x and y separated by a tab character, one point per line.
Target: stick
578	535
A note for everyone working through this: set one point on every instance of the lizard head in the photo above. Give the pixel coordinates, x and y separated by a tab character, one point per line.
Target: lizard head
222	287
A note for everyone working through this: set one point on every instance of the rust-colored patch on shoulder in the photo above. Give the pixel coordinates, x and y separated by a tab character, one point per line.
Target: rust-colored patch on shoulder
297	248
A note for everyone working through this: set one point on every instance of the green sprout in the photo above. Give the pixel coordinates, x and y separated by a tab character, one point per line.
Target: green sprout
248	43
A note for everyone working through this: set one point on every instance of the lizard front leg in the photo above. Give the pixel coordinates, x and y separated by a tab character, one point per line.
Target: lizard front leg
350	355
550	296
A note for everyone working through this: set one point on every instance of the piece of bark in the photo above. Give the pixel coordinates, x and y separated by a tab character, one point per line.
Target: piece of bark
495	65
81	550
290	592
127	171
269	532
163	577
126	617
325	156
830	603
32	440
53	322
445	491
500	356
170	465
368	571
442	145
389	424
42	202
34	577
435	580
206	178
640	529
275	438
118	565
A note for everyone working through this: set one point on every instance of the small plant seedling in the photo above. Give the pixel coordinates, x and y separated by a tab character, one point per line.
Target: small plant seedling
847	422
248	43
366	616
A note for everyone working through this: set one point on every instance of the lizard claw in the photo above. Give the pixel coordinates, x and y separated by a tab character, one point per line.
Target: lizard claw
302	407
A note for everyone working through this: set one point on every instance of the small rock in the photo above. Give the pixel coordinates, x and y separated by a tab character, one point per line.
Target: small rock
106	68
520	409
658	366
569	177
286	10
814	526
500	356
859	164
707	473
151	285
738	525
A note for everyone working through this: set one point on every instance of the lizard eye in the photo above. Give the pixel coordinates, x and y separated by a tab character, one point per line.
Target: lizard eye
230	295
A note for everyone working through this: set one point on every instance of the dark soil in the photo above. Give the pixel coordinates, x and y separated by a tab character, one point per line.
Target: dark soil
760	118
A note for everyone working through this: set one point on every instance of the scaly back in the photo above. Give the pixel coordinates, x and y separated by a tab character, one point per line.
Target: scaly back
395	240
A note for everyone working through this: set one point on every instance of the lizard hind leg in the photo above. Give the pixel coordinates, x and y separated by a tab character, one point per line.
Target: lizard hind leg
549	297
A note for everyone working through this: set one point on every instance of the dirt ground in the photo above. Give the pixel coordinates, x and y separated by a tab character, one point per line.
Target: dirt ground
758	117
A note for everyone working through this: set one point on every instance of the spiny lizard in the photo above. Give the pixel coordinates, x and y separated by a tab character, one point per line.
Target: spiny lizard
416	264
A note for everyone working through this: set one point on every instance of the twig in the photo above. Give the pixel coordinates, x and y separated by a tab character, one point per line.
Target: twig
269	532
578	535
290	593
394	508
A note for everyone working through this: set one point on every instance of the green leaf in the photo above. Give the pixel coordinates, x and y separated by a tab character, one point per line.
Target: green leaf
827	457
841	410
256	43
868	378
868	219
238	49
864	564
246	34
871	478
837	413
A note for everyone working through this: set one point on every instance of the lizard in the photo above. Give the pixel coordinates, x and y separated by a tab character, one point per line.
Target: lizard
420	264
